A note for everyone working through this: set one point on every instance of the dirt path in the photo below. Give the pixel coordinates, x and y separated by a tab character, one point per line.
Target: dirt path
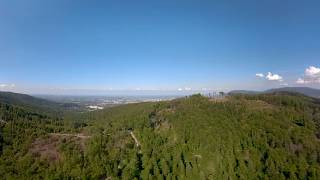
81	136
135	139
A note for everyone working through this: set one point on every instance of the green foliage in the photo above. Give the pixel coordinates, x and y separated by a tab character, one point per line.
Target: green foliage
265	136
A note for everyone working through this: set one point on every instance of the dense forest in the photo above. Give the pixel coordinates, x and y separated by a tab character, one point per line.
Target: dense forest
261	136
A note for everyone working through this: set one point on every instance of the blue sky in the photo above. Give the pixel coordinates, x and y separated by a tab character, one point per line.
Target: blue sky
63	46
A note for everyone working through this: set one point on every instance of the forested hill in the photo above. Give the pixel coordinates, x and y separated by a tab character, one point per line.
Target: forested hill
265	136
31	103
302	90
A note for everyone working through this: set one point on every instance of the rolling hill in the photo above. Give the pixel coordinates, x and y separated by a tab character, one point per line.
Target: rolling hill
35	103
302	90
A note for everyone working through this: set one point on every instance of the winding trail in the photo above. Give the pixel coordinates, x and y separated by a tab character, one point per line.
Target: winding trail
81	136
135	139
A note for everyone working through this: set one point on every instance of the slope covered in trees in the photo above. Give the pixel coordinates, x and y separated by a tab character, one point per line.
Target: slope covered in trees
265	136
307	91
36	104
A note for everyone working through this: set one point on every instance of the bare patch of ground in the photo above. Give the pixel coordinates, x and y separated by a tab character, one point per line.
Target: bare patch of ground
80	138
46	149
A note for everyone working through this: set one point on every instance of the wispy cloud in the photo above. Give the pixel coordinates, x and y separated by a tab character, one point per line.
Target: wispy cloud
185	89
311	75
3	86
300	81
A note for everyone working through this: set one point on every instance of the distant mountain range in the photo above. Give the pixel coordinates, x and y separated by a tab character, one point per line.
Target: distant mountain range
302	90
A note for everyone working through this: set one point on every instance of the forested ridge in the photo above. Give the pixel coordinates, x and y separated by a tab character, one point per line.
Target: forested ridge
264	136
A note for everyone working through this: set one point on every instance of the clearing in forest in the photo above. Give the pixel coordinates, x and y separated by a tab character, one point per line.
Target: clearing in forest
47	148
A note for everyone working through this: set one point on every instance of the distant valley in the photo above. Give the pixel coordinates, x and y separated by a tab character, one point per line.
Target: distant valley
99	102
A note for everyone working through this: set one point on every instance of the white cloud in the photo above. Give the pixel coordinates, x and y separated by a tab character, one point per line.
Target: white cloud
273	77
270	76
284	84
260	75
312	71
311	75
180	89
